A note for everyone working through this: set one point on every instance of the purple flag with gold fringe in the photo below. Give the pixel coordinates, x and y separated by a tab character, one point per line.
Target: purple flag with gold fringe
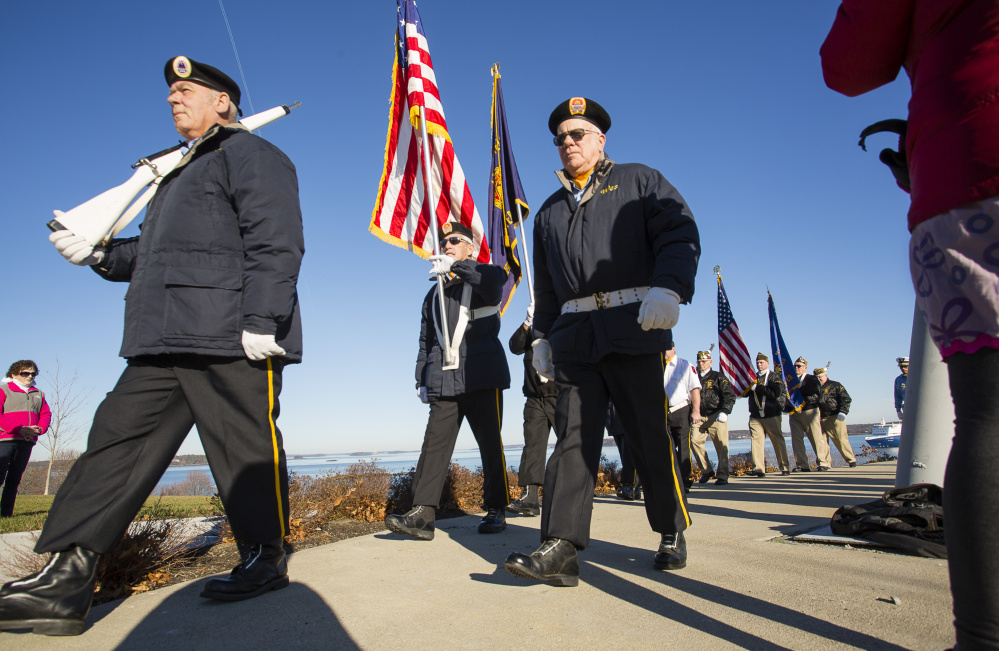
506	194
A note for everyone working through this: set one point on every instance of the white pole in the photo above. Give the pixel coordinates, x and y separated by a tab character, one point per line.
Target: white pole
433	229
523	248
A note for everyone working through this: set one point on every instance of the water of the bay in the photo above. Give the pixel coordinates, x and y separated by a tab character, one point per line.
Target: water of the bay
403	461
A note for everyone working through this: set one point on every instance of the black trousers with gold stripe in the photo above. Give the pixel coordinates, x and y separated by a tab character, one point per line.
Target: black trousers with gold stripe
678	424
635	384
141	424
484	411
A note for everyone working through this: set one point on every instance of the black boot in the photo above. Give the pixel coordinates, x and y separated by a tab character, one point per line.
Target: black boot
629	492
55	600
263	570
417	523
526	504
672	554
706	477
554	563
494	522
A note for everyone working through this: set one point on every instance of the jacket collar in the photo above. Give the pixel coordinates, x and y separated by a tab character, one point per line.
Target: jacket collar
597	179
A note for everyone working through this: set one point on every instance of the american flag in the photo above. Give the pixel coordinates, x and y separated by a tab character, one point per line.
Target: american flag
735	364
399	217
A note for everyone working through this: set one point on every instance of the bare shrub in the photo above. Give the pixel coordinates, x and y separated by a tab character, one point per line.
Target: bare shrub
142	560
360	491
197	482
608	476
462	490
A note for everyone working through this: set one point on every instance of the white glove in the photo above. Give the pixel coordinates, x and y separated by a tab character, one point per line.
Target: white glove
75	248
423	395
840	416
258	347
899	413
722	417
442	264
660	309
529	321
543	359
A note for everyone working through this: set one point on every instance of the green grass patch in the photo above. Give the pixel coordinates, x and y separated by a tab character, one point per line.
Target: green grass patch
30	511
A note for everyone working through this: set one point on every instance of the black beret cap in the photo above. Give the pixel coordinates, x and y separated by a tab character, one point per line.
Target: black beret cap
455	228
182	68
582	108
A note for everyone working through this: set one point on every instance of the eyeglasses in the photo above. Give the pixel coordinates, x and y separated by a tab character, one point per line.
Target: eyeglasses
455	240
27	374
799	366
575	134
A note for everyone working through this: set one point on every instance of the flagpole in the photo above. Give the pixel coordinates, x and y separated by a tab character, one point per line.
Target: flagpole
523	247
445	329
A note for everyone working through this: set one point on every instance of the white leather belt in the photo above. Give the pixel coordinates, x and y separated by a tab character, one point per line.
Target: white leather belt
604	300
678	407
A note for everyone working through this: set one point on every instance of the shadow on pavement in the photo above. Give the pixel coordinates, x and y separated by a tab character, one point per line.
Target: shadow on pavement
294	616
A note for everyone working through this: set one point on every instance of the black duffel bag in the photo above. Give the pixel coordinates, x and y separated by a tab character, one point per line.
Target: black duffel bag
908	519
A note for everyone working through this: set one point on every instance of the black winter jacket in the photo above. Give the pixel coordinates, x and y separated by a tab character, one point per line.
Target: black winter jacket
717	394
483	360
835	399
773	397
219	252
631	228
811	394
520	344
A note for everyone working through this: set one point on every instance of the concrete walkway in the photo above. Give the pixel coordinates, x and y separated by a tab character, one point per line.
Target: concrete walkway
745	586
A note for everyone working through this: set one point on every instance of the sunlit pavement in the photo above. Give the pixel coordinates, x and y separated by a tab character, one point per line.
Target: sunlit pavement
745	586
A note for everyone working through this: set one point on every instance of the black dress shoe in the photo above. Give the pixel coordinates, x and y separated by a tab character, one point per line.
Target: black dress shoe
554	563
721	481
672	554
522	507
853	464
54	600
785	472
760	473
494	522
417	523
629	492
705	477
265	569
805	469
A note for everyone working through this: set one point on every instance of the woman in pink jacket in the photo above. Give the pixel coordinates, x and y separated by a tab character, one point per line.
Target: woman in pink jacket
950	50
24	416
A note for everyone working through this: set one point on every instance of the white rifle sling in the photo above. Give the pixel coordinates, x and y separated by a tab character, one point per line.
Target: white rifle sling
452	359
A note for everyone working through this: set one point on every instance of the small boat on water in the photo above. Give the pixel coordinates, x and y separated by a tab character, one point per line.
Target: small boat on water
885	437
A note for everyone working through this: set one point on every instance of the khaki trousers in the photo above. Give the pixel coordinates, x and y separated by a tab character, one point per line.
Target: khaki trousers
808	423
719	436
759	430
836	431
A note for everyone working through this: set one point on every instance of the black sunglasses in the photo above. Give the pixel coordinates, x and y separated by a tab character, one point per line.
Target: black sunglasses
575	134
27	374
454	240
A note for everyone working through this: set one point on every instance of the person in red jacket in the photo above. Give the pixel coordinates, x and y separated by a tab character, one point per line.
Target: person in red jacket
24	416
950	50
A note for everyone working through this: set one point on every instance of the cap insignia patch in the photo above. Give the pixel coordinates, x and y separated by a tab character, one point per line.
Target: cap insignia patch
182	67
577	106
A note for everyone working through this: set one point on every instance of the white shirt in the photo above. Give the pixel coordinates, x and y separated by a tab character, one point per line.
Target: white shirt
680	380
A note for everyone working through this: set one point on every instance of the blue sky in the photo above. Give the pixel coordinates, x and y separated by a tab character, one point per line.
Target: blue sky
725	98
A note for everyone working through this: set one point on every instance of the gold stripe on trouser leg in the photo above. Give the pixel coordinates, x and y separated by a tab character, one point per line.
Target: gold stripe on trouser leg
499	428
672	457
274	443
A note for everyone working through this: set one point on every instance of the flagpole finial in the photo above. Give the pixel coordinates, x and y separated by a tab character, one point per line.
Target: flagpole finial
494	70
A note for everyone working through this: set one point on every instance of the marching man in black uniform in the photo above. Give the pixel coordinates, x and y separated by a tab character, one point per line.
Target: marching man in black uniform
615	253
469	387
539	420
211	318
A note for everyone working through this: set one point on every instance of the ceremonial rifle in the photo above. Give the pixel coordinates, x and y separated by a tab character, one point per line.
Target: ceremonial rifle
104	216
